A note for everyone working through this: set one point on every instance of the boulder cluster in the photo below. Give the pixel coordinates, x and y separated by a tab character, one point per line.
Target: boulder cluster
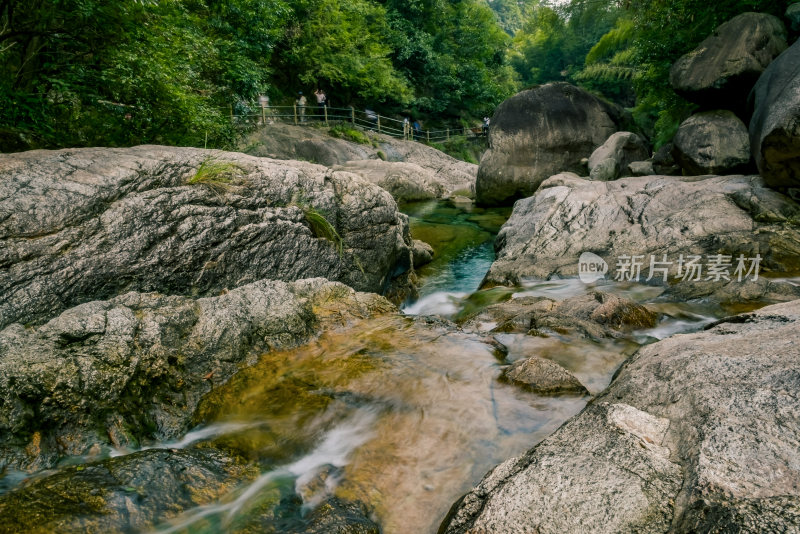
743	80
582	183
697	432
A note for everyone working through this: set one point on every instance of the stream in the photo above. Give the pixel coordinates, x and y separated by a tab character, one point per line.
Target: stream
404	412
399	412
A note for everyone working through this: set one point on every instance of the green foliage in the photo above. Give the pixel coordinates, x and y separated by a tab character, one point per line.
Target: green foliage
461	148
617	38
511	14
452	53
664	31
122	72
343	131
341	44
554	43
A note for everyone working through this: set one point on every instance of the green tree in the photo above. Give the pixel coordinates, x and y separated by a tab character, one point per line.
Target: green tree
341	44
452	53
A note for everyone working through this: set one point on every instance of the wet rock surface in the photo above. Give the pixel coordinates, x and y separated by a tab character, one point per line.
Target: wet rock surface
85	224
422	253
595	315
538	133
720	72
132	493
696	433
336	516
653	216
544	377
136	366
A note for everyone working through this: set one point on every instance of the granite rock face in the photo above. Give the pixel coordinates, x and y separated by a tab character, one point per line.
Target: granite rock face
135	367
611	160
651	216
595	315
544	377
775	126
85	224
538	133
712	142
133	493
697	433
406	182
722	70
283	141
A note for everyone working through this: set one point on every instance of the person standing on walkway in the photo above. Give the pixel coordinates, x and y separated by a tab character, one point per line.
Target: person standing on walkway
301	106
322	101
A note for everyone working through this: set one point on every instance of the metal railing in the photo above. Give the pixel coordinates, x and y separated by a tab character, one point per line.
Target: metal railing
309	115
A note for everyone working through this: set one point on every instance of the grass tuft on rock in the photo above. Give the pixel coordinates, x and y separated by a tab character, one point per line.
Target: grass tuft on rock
322	228
342	131
216	174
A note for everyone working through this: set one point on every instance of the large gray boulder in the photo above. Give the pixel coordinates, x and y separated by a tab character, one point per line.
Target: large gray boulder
697	433
720	72
135	367
406	182
775	126
650	216
85	224
538	133
612	158
712	142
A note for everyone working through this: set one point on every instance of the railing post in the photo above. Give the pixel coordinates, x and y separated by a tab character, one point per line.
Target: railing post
353	115
295	114
448	134
429	135
379	124
263	114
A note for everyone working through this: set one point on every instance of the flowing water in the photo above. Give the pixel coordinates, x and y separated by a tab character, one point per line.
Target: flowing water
401	412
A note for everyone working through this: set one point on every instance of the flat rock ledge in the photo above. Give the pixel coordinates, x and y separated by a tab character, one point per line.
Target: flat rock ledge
697	433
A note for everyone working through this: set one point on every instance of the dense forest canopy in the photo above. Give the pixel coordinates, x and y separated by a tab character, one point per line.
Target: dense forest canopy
120	72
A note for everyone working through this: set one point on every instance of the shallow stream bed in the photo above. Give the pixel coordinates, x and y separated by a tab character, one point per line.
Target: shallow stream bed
403	413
